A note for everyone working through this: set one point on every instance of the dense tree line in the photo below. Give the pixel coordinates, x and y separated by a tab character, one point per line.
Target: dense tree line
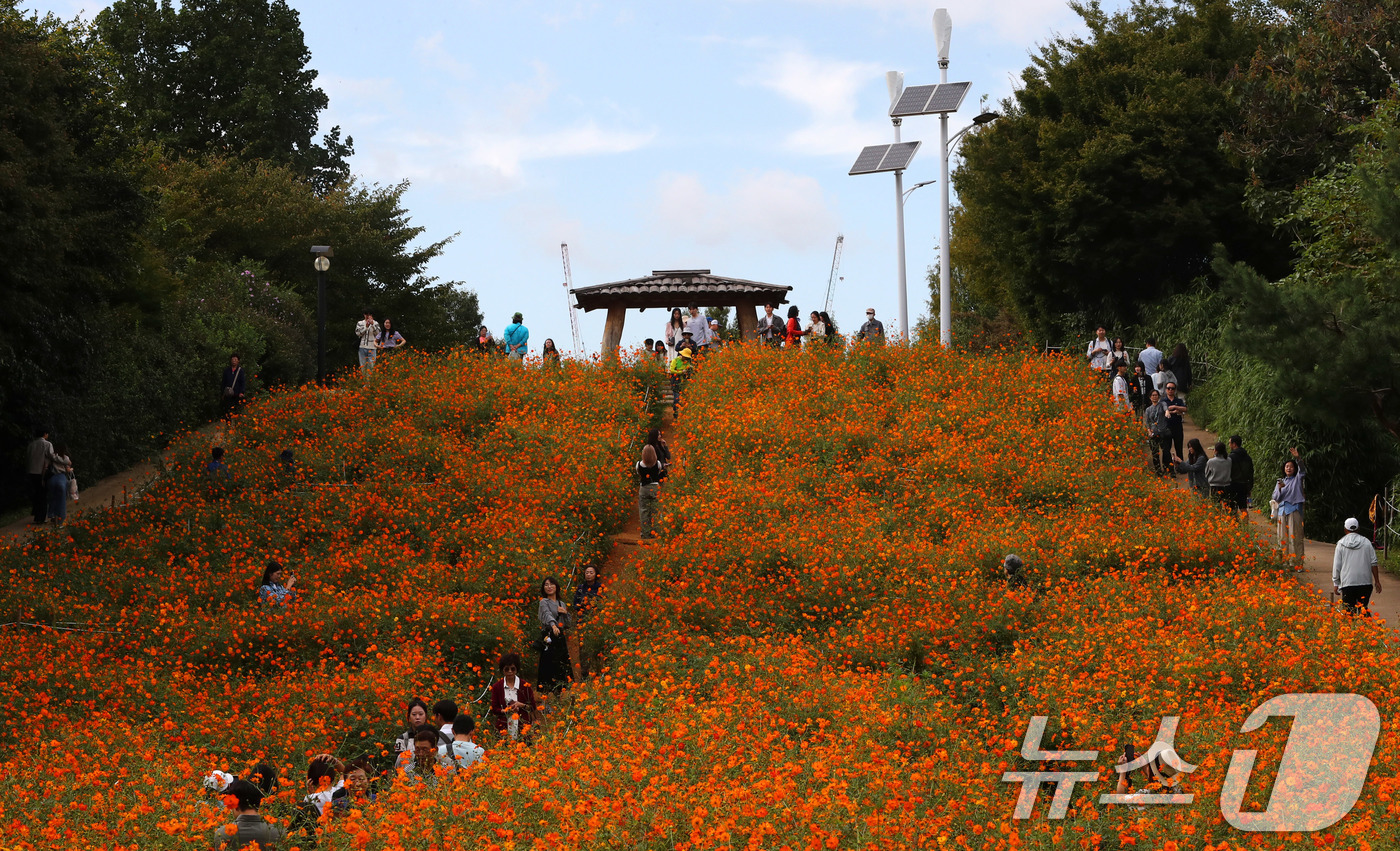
1220	172
159	194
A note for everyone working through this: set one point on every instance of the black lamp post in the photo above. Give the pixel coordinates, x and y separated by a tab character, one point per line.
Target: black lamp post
323	255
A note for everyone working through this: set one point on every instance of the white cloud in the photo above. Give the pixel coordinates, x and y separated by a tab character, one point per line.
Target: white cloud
765	209
829	90
1019	20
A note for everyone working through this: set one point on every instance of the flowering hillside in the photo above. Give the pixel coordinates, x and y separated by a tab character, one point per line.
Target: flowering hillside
819	652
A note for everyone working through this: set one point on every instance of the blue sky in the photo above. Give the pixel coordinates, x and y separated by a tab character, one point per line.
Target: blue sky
654	135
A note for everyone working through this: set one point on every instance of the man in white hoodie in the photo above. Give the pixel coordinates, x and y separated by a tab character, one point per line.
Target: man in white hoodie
1355	571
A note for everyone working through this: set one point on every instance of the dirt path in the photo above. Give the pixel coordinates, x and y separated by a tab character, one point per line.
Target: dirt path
104	494
1316	569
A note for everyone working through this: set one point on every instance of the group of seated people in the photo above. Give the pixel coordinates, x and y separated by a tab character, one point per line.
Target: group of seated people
429	750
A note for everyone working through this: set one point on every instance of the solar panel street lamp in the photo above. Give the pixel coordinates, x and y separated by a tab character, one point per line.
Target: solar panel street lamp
874	159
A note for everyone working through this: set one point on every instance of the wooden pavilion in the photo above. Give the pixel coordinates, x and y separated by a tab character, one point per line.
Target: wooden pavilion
681	288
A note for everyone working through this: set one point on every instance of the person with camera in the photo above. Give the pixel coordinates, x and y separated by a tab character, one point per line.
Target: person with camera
513	704
277	588
554	670
368	331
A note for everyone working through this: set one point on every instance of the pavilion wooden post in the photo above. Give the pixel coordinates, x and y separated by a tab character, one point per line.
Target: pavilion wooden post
612	331
747	316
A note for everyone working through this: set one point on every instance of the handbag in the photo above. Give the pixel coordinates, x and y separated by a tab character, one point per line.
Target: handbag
228	391
73	488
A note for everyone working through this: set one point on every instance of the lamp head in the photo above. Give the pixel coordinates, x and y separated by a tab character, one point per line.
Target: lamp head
322	263
986	118
942	33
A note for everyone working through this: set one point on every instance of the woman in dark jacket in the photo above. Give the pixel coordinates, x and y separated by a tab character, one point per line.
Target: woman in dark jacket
1195	467
586	594
554	672
1179	362
512	699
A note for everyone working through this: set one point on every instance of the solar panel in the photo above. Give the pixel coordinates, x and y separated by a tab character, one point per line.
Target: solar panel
869	159
948	97
899	156
926	100
912	101
876	158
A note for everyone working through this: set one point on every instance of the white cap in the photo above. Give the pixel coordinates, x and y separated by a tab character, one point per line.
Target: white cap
1352	524
218	781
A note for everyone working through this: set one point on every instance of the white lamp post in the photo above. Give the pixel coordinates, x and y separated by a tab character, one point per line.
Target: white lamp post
943	35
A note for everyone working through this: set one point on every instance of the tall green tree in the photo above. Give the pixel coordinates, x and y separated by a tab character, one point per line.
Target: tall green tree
1103	187
1322	70
223	76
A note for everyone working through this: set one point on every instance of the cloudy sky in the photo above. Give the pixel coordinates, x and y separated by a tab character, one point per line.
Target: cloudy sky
654	135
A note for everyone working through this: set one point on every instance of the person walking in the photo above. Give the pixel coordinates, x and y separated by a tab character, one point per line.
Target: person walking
1122	399
1150	356
554	670
1219	471
1159	433
1355	571
233	386
517	339
367	330
672	336
1241	474
649	472
1179	361
40	457
873	331
1287	502
699	328
60	472
770	327
679	371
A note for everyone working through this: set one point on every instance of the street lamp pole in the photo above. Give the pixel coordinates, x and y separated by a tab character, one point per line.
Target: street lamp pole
894	81
943	31
322	263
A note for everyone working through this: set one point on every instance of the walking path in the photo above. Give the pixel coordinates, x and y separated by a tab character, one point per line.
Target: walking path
1316	569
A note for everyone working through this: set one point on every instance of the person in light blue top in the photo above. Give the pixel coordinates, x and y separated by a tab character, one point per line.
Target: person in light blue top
1287	503
273	590
517	339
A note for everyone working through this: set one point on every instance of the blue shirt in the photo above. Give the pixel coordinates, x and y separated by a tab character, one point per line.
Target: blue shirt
1150	357
517	338
276	594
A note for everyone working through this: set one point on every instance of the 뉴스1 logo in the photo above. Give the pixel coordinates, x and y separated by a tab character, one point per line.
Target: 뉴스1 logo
1338	731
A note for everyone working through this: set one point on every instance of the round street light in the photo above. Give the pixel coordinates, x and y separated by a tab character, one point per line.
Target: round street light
322	264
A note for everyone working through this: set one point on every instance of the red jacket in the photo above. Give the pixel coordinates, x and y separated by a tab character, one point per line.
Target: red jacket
525	694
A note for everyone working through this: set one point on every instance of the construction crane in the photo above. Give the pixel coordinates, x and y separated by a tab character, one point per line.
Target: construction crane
569	298
835	267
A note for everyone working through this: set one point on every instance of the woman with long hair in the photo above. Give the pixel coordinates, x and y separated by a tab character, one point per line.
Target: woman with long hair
389	337
1179	361
415	716
832	335
276	589
554	670
1194	466
61	470
657	442
550	353
675	327
794	328
1286	504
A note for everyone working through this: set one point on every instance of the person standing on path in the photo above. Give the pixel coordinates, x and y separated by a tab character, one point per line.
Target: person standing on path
1098	351
1176	410
40	456
873	331
390	339
679	370
699	328
1241	474
554	619
1355	571
233	386
1150	356
517	339
1163	376
1179	361
1219	471
1121	397
794	329
649	472
674	328
1159	431
1287	502
367	330
60	471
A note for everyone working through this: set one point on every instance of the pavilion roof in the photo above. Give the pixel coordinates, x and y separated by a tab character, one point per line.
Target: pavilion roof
678	288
